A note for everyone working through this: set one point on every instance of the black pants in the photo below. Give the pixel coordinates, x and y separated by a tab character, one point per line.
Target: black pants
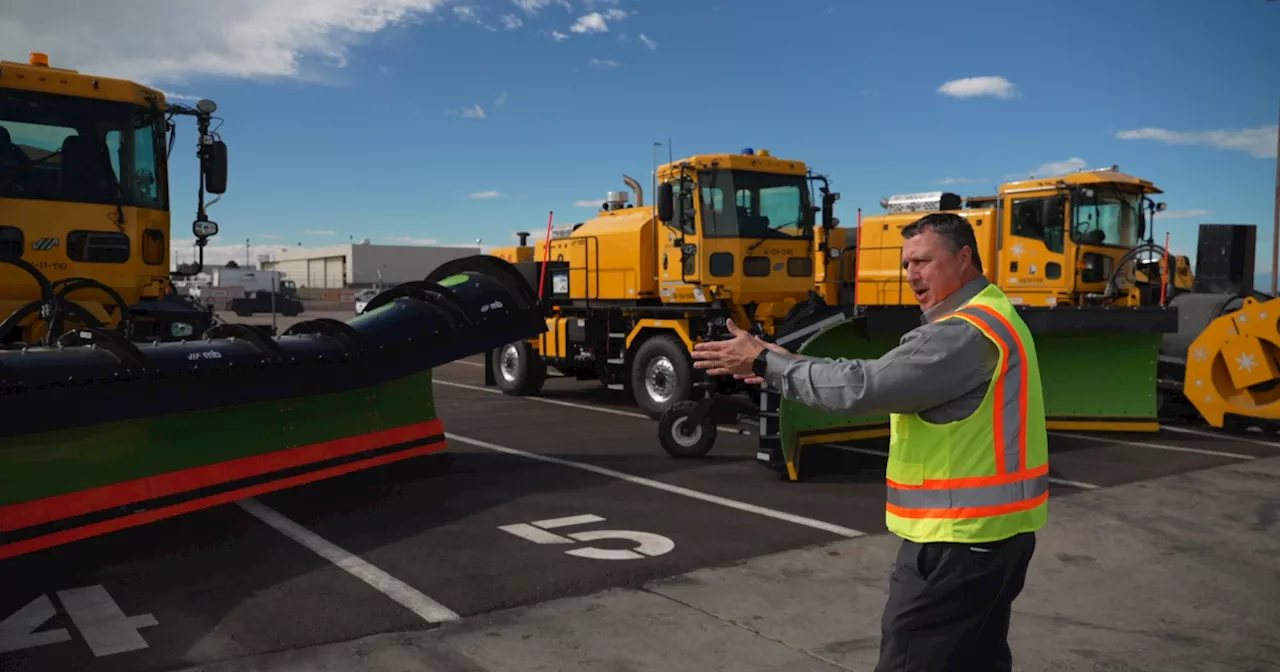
949	606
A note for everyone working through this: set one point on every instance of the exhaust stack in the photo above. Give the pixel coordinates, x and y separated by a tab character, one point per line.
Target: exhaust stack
635	186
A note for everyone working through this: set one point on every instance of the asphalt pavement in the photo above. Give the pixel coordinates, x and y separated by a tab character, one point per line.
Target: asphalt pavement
577	498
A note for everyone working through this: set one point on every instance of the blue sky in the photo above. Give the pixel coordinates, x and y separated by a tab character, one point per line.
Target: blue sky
359	118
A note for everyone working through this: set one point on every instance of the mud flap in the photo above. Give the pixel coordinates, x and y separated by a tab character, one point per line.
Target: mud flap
101	433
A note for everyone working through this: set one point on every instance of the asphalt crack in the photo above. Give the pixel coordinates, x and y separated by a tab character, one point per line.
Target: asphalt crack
751	630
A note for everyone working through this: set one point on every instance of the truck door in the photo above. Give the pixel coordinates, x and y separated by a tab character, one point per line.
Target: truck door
678	263
1032	262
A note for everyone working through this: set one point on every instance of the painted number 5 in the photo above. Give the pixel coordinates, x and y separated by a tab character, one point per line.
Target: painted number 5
647	544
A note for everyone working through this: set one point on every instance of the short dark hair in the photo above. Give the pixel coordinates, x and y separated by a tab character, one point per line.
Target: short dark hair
953	227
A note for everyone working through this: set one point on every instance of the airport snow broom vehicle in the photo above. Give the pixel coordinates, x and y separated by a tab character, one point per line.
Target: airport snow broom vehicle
628	292
1221	366
1068	250
105	427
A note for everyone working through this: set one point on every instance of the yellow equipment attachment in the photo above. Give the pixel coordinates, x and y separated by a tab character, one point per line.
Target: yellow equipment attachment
1232	371
1222	367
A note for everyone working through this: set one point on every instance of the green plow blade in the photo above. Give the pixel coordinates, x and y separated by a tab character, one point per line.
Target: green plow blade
1098	368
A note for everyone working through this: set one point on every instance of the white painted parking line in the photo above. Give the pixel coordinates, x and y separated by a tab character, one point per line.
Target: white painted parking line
570	404
880	453
1212	435
426	608
1156	446
667	487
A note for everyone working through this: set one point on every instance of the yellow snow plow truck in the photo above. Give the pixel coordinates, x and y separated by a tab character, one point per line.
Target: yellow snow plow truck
628	292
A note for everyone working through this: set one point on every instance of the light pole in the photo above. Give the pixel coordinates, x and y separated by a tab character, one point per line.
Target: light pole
1275	232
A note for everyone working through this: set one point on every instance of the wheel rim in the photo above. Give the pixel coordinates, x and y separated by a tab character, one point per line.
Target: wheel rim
685	440
660	380
508	362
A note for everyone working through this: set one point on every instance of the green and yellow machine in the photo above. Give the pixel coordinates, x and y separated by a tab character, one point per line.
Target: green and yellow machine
1069	250
123	405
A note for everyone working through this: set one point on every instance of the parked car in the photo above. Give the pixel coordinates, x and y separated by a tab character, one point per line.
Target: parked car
363	297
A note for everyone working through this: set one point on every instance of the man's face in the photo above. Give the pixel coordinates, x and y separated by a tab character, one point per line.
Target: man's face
933	272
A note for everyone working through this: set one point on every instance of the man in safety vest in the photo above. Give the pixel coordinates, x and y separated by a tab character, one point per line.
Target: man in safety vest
967	476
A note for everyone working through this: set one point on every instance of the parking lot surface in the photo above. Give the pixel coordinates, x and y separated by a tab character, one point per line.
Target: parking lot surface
538	499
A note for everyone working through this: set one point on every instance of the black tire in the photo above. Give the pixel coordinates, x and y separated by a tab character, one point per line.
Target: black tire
674	374
681	441
525	372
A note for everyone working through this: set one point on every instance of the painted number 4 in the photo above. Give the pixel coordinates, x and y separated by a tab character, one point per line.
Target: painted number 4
105	627
647	544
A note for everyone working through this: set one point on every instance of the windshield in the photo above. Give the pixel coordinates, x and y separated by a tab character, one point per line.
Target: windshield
61	148
765	205
1109	217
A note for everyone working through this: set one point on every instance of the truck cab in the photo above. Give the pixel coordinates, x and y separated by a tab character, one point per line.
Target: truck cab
740	228
1070	240
84	192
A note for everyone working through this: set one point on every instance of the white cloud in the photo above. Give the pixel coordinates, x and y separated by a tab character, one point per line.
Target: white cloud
602	64
270	236
474	112
320	232
185	252
558	36
590	23
500	101
468	14
648	42
486	194
178	96
589	204
533	6
1259	141
1181	214
1052	169
409	240
511	21
961	180
233	38
973	87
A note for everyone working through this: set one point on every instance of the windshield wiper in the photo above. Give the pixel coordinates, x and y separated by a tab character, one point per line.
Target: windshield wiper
20	170
763	239
117	193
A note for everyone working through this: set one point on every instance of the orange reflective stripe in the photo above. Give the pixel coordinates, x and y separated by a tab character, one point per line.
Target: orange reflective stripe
972	512
1009	419
971	481
1013	487
1021	349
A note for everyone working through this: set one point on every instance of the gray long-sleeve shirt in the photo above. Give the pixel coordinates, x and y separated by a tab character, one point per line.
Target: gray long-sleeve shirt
940	370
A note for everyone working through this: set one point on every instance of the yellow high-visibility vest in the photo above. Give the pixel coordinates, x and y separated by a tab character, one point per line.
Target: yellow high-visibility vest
985	477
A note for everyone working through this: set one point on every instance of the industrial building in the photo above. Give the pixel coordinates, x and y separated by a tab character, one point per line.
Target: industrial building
362	264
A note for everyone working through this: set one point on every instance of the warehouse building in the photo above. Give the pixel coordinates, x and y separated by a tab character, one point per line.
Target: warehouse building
359	265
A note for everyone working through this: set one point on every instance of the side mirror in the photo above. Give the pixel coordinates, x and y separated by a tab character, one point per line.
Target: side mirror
1052	214
215	167
666	202
828	210
203	228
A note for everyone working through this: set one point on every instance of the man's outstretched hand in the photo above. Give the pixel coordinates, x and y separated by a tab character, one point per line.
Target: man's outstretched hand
733	357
